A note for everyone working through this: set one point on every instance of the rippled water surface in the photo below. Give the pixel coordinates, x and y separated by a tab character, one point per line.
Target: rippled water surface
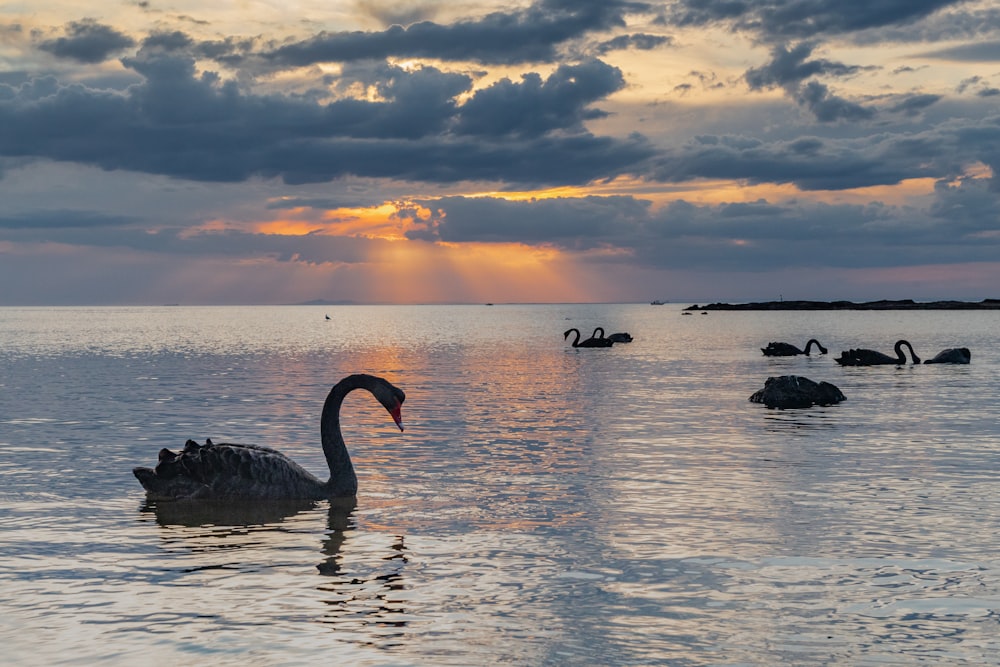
545	505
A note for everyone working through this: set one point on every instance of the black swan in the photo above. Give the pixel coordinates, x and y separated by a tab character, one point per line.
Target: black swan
789	350
620	338
873	358
793	391
953	355
599	335
590	342
230	471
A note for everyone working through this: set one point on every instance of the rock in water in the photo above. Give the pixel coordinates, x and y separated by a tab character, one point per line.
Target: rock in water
792	391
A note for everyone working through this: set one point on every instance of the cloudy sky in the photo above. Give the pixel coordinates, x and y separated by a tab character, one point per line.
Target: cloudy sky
412	151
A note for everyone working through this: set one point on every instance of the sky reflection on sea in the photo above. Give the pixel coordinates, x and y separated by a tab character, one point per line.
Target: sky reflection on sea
545	505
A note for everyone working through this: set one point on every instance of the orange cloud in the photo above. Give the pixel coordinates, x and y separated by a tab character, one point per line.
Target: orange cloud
376	222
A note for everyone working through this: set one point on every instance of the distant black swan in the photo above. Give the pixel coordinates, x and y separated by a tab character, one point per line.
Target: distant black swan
789	350
953	355
598	335
622	337
873	358
594	341
231	471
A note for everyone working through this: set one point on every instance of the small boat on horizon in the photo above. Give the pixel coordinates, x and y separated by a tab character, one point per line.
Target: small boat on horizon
656	302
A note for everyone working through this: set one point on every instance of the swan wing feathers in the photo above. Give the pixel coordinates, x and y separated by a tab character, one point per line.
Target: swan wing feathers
230	470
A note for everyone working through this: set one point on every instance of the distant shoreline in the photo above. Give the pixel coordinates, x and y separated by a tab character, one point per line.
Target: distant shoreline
902	304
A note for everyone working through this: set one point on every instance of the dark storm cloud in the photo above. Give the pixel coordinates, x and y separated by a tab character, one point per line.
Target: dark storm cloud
911	105
986	52
63	219
534	107
87	41
532	34
286	203
186	125
837	164
789	69
638	41
803	19
173	40
571	222
961	226
310	248
826	106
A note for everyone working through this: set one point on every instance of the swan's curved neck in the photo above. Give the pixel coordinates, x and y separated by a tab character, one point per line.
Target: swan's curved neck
902	357
343	479
576	340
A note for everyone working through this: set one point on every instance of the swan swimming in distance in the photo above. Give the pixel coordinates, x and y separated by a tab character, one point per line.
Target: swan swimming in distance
228	471
872	358
593	341
788	350
599	336
952	355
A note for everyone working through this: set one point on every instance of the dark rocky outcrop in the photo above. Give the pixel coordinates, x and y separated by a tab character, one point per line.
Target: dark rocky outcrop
793	391
903	304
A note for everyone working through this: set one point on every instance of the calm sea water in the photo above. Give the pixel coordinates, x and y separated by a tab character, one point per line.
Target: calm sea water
545	505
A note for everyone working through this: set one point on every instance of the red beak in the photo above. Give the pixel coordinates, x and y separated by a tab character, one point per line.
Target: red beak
397	415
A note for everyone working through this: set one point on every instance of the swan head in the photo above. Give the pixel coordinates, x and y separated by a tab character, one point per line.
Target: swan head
391	398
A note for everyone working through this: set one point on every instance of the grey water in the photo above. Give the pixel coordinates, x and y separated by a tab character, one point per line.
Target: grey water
544	506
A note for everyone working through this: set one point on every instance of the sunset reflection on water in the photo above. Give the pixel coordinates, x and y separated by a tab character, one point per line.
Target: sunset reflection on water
545	504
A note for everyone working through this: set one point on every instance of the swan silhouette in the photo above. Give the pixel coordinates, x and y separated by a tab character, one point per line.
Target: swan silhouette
953	355
598	335
873	358
593	341
231	471
788	350
620	338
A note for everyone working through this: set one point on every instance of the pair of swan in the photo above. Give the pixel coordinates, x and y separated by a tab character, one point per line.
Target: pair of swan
597	339
774	349
861	357
229	471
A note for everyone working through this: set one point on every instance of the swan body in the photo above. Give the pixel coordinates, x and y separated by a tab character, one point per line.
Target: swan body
953	355
620	338
793	391
872	358
228	471
774	349
599	336
594	341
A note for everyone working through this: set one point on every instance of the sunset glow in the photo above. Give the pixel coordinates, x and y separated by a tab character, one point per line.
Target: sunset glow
534	151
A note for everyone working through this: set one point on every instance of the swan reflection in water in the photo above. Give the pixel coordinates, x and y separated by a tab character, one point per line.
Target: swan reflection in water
363	591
